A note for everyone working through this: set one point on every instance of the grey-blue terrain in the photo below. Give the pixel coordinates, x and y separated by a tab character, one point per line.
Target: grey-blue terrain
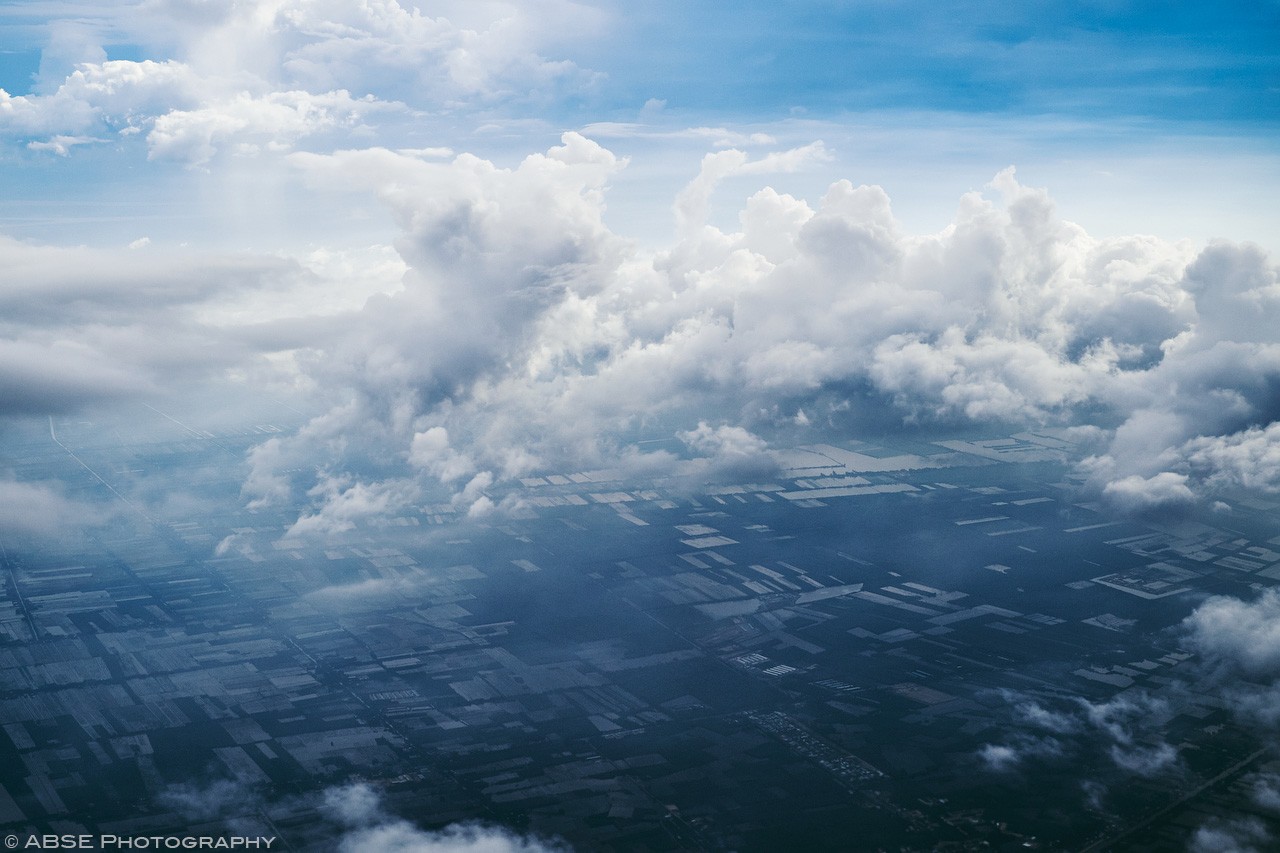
920	641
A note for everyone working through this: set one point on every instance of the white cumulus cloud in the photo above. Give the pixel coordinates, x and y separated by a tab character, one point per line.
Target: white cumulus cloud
369	829
529	334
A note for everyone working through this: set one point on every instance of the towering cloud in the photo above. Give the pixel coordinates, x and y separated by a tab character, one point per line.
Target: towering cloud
528	334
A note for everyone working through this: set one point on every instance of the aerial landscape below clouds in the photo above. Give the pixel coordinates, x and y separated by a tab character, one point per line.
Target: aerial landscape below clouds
343	344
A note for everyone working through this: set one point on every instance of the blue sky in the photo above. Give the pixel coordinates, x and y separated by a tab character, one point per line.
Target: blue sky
1187	62
1184	62
1071	93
